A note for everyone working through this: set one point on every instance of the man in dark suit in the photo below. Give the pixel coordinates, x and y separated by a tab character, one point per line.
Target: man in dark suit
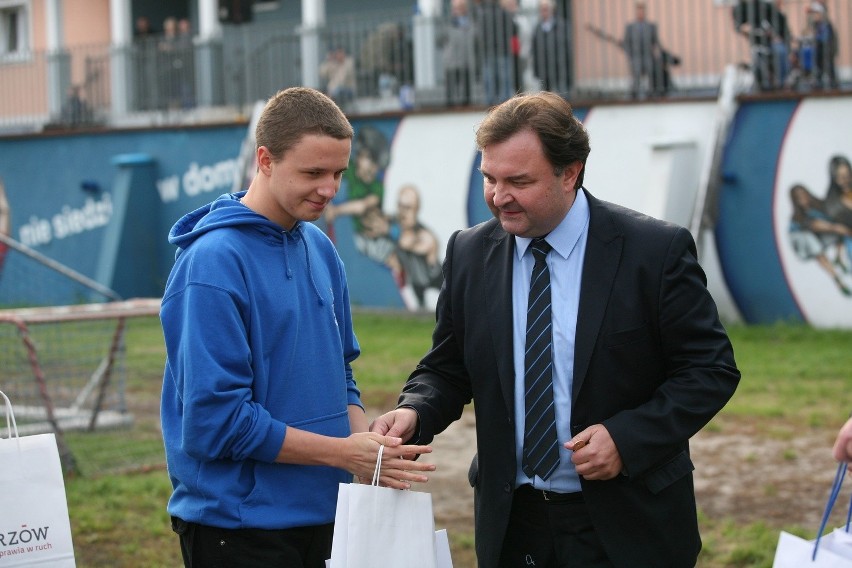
640	360
551	54
642	47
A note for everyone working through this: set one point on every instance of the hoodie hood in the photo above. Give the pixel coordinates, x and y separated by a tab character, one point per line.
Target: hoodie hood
225	211
228	211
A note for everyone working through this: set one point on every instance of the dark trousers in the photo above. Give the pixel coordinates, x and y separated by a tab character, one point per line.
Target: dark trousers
551	533
210	547
458	87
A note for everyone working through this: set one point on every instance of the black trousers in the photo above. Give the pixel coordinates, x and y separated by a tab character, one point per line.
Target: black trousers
551	531
211	547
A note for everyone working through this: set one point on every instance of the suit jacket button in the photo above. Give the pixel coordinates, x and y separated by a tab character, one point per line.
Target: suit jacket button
507	488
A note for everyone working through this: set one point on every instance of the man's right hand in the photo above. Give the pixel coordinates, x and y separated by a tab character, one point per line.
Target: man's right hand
400	423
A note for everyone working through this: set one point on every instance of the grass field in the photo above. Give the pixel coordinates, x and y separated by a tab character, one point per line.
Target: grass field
794	378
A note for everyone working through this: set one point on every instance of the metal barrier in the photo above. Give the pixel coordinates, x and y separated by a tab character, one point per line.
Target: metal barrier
402	61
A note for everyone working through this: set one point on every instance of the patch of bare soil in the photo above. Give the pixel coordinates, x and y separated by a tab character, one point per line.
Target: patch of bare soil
741	473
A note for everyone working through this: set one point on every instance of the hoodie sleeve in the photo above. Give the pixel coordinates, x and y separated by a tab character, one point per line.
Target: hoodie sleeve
210	368
351	349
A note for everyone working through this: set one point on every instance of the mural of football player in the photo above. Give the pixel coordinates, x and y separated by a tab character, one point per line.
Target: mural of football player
364	195
415	260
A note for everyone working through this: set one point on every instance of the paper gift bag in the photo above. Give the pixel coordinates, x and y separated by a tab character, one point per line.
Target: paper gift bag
34	525
833	550
442	549
838	541
380	527
796	552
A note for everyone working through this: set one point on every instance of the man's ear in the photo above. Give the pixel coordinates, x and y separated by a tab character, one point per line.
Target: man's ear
264	159
570	175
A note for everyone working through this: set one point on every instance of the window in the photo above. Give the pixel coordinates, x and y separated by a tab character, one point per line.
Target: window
14	28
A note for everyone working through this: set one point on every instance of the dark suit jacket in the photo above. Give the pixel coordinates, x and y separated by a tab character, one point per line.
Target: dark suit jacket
640	41
652	363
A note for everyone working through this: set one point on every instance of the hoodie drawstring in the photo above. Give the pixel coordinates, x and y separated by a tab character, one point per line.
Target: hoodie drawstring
296	235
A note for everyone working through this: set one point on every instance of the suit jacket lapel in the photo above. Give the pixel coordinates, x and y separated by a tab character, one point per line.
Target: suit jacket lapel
603	255
497	267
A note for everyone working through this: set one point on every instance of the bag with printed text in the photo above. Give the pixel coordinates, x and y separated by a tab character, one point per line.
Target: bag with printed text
34	525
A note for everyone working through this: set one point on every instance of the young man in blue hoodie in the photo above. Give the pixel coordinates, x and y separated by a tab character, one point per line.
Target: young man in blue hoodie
260	412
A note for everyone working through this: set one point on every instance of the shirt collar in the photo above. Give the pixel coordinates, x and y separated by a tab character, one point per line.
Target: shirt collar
567	233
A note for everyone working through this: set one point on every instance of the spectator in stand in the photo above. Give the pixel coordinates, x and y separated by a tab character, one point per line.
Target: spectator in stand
75	111
142	28
459	52
516	59
186	55
402	58
642	47
495	29
780	36
169	66
145	64
338	72
765	25
550	50
825	47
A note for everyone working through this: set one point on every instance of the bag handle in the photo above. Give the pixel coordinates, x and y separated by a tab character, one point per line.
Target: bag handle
832	499
11	425
378	465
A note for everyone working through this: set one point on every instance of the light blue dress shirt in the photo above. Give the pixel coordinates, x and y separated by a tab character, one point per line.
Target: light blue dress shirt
565	262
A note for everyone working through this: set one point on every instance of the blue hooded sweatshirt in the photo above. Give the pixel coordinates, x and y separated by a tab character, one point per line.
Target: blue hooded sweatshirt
259	338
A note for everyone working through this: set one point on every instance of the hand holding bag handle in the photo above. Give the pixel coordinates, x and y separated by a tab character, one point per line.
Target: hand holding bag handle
377	471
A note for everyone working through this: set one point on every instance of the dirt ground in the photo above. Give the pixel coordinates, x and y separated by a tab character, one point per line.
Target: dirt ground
740	473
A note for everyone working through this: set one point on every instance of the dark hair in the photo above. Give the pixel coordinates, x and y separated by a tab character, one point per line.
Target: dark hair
292	113
562	135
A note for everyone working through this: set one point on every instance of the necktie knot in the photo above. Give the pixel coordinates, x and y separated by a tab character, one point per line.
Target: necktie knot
540	248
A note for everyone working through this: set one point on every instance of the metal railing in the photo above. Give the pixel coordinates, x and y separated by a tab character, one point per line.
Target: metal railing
399	62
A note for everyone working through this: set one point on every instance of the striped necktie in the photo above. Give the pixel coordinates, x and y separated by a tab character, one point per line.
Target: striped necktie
541	446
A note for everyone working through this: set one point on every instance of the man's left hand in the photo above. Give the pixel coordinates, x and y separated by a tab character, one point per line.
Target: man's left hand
598	458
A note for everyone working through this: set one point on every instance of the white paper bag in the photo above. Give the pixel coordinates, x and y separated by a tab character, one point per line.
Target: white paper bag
380	527
34	525
796	552
442	547
839	542
833	550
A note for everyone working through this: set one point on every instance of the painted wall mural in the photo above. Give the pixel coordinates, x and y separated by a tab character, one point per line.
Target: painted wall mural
812	212
782	240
